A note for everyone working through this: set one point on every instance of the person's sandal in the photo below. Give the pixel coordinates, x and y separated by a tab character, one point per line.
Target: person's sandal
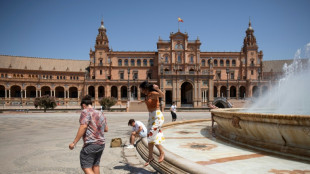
148	162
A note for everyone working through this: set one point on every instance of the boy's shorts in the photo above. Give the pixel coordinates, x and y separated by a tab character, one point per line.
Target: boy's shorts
90	155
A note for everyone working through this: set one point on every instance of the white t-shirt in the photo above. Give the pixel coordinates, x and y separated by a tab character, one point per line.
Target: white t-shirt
137	125
174	108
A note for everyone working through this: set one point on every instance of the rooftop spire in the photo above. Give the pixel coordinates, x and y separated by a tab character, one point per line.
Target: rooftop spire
102	26
250	24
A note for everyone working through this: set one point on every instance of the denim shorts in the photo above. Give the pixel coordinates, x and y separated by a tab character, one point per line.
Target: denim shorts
90	155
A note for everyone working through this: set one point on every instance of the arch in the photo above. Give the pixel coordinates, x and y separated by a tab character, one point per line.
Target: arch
264	89
126	62
60	92
73	92
144	62
45	90
178	46
191	71
2	91
138	62
255	91
166	69
101	92
132	62
91	91
31	91
16	91
203	62
221	62
233	91
227	63
223	91
114	92
242	90
187	93
214	91
120	62
124	92
134	91
215	62
233	62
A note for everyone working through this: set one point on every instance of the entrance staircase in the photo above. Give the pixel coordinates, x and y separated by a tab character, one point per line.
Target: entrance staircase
134	106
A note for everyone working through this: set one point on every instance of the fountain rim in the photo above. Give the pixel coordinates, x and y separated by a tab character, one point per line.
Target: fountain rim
233	112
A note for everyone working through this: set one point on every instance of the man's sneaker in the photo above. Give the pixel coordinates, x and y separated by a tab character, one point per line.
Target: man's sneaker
130	146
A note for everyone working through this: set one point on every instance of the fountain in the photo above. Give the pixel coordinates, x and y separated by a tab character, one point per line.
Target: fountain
277	122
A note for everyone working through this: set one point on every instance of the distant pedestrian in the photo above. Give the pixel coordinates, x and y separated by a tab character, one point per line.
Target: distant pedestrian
138	130
93	124
155	135
173	110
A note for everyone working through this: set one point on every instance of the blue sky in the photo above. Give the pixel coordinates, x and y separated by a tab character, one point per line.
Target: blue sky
67	29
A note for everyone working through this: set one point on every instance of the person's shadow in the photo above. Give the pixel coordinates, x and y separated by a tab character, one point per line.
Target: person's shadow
134	170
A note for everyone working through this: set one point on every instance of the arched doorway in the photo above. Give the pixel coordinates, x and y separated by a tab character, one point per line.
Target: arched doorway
124	92
242	92
31	91
255	91
233	92
2	91
168	97
187	93
73	92
101	92
215	91
114	92
15	91
91	91
223	91
134	92
45	90
60	92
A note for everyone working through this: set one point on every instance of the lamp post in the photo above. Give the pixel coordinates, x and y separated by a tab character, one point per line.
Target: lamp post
128	97
227	72
238	87
259	76
161	85
134	87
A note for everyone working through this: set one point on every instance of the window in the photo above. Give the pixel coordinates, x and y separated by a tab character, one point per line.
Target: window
144	62
232	76
70	77
227	63
178	46
252	62
203	62
2	76
233	62
100	72
135	76
126	62
221	62
132	62
192	59
121	76
215	62
151	62
149	75
51	77
120	62
139	62
64	77
57	77
61	77
179	57
100	61
218	74
77	78
166	59
252	72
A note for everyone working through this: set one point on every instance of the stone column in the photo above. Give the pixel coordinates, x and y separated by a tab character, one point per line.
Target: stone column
78	94
9	93
211	91
118	93
40	93
228	97
21	93
6	93
139	94
218	92
25	93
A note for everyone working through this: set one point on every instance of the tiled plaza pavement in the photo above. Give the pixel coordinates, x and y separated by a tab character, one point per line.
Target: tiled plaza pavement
33	143
195	142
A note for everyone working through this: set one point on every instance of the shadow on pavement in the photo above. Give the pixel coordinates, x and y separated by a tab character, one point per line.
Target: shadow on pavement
134	170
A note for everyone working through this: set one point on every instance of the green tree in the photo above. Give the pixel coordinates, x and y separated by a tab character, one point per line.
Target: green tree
107	102
45	102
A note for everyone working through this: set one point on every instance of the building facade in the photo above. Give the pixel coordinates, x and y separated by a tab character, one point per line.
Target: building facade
187	75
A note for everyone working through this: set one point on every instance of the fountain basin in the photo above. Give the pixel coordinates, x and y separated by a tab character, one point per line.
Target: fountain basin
278	133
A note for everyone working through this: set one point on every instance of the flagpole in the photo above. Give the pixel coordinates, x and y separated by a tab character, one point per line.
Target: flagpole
178	26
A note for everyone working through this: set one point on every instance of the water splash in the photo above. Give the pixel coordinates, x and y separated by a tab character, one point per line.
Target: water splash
291	95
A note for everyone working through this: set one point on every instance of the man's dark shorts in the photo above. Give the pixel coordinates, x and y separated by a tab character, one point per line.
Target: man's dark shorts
90	155
174	115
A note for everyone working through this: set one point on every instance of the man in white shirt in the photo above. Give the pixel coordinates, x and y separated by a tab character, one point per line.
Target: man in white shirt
138	130
173	110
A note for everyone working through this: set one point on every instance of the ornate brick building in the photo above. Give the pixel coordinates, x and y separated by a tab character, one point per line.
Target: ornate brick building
187	75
